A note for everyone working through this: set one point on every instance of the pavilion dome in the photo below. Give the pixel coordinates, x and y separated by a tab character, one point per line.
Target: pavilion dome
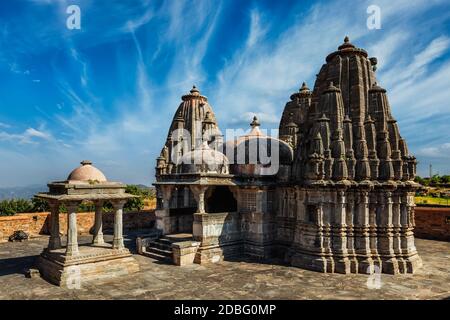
256	138
87	172
204	160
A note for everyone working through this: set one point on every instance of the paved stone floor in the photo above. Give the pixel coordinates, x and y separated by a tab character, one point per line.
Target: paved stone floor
227	280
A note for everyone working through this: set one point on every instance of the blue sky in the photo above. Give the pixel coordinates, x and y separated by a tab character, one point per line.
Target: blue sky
108	92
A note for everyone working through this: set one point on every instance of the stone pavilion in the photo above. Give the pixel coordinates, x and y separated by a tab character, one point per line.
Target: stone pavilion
73	264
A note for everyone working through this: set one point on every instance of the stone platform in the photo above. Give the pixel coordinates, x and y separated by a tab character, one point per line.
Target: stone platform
240	279
91	264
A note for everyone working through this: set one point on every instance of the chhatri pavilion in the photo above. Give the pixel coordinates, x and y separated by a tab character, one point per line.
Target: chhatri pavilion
70	264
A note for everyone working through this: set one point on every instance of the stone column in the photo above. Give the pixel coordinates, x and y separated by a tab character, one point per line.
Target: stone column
98	224
186	197
342	262
163	214
55	239
118	225
199	195
72	232
362	236
386	235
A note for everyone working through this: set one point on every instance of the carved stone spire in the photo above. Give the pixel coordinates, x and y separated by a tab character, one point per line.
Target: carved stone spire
190	116
362	154
338	153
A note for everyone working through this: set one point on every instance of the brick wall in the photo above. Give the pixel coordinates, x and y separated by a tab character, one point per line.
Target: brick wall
431	223
39	223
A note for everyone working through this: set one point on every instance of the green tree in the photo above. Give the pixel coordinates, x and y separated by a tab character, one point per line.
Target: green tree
13	206
135	204
40	205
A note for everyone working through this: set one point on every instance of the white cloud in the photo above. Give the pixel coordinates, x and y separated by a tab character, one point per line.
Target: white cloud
439	151
29	136
257	30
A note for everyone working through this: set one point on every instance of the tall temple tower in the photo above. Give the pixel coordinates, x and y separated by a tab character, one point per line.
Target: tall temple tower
193	119
352	173
341	198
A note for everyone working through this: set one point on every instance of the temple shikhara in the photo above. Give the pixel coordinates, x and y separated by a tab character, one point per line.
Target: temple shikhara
336	195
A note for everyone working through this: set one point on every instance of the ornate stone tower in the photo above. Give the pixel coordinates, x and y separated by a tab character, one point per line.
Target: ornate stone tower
294	116
352	172
193	119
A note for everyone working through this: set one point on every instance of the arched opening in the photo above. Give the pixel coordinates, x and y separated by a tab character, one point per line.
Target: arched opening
221	200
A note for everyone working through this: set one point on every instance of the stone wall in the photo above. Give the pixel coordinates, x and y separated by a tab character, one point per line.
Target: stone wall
432	223
39	223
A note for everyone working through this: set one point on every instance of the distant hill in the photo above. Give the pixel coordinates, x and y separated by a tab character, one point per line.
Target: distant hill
26	192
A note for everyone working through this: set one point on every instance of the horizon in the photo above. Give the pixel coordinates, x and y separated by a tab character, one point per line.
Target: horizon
108	91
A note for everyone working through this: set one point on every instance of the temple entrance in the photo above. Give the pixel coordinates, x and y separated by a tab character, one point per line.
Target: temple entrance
221	200
181	219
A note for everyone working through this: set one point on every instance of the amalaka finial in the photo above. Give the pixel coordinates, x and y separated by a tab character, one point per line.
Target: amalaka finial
346	44
304	87
194	90
255	122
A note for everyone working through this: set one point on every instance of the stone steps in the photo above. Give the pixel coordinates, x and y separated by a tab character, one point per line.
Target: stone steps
161	248
162	252
158	257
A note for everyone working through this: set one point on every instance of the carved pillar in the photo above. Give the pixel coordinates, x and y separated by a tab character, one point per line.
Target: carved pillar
362	234
186	197
199	195
386	239
163	214
350	220
118	225
98	224
342	263
72	232
373	227
396	222
55	239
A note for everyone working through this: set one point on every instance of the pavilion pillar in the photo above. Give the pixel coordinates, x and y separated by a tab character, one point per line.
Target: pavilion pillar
163	214
118	225
98	224
72	232
199	195
55	239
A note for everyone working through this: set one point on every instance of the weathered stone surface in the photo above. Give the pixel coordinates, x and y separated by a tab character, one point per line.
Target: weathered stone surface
184	252
241	279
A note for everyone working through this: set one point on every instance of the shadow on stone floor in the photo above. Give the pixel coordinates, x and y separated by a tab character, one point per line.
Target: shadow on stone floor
20	265
253	260
17	265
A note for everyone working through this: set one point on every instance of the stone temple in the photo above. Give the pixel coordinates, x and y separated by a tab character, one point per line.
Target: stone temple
339	199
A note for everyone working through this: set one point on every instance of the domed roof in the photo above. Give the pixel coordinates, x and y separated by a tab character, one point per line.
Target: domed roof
204	159
285	152
86	172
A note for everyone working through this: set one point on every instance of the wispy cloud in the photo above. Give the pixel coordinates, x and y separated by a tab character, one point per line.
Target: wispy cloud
108	92
29	136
